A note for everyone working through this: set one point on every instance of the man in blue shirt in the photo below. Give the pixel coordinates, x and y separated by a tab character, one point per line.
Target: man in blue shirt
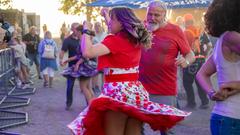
70	45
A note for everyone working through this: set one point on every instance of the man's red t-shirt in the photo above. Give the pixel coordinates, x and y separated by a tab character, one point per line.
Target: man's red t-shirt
157	66
123	52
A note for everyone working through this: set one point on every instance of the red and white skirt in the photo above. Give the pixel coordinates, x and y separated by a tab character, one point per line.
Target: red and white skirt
122	92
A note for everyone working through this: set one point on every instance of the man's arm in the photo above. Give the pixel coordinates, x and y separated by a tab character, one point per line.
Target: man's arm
61	55
185	61
63	50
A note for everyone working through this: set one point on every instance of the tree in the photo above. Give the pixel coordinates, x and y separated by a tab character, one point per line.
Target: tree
76	7
5	3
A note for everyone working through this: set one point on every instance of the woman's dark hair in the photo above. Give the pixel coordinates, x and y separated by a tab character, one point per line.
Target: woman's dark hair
221	16
137	32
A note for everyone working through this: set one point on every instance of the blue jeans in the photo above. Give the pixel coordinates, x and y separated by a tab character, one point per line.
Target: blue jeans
221	125
34	58
70	84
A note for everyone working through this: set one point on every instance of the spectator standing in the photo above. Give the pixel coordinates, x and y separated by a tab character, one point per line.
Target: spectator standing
158	65
70	45
225	61
21	61
32	41
48	63
63	32
193	36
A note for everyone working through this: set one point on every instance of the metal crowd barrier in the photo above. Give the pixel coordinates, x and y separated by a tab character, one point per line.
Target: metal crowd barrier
7	73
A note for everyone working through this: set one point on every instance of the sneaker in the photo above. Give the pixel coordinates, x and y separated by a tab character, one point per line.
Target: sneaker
190	106
67	107
39	77
19	85
204	106
25	86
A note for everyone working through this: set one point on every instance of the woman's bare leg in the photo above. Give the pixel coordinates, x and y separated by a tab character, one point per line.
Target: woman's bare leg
115	123
87	91
25	73
46	79
133	127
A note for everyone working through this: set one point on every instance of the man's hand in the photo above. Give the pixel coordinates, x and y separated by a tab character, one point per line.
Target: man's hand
61	63
64	63
181	61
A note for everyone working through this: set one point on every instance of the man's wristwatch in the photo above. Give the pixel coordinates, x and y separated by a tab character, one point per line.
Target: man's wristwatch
187	62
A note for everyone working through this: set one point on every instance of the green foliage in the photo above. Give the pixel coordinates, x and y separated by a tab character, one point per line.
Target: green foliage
74	7
5	3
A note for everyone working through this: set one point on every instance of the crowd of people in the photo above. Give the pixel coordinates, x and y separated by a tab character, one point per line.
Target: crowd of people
141	67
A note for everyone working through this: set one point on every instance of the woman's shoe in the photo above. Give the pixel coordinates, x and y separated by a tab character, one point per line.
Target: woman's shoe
45	84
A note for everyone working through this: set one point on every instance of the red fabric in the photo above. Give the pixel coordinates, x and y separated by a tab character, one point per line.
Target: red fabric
157	66
123	53
121	77
94	121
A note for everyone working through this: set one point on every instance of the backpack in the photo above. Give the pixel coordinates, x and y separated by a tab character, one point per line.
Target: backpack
48	51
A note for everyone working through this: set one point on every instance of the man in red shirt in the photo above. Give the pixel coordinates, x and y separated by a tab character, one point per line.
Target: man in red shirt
158	65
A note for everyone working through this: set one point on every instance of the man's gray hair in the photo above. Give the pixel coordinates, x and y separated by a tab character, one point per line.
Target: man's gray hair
75	24
158	3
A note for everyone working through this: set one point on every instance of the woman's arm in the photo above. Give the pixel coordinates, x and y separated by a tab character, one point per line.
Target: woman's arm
204	79
88	49
204	74
231	88
232	85
92	51
105	14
